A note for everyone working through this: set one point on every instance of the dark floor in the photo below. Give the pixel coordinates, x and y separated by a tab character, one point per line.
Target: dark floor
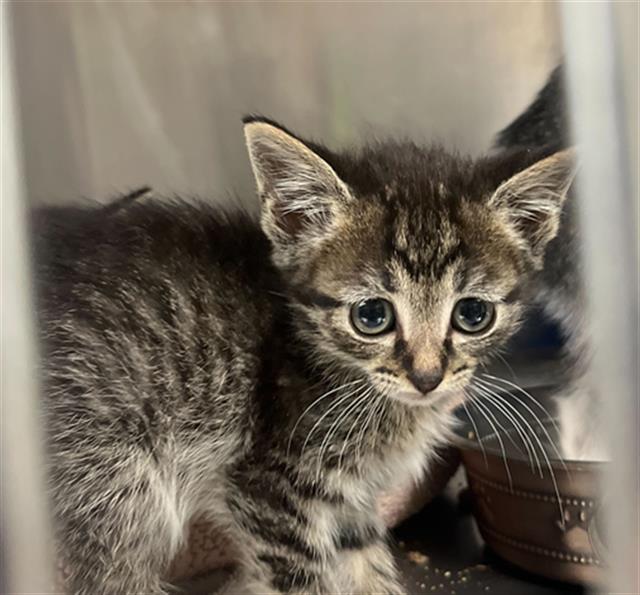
440	551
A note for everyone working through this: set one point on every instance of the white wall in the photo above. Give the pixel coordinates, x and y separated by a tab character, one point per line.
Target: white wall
115	95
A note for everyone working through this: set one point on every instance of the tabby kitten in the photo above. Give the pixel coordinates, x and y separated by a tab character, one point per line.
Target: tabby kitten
276	377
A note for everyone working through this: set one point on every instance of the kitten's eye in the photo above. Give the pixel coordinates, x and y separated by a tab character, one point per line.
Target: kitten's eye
472	315
373	317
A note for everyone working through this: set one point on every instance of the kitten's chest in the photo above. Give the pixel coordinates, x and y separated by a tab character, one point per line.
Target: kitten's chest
397	462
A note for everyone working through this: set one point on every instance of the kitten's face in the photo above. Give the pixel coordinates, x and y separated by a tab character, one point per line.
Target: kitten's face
406	264
413	297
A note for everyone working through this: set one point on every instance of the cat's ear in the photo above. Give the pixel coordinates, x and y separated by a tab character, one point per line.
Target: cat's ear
532	200
300	192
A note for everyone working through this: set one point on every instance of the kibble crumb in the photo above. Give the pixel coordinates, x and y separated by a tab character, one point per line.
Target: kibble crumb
418	557
447	573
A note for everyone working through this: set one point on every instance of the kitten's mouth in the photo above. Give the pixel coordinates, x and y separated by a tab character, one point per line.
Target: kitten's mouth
446	398
411	397
415	398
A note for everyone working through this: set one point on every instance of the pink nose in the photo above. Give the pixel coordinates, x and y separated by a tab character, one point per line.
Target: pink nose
426	381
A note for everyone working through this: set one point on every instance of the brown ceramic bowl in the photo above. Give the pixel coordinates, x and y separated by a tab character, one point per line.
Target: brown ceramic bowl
550	530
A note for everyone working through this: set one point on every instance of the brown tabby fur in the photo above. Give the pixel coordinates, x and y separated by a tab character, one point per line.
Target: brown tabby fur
197	363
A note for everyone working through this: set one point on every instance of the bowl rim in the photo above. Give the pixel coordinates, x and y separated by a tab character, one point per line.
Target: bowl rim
465	444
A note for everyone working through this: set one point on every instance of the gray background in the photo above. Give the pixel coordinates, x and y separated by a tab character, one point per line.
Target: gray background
115	95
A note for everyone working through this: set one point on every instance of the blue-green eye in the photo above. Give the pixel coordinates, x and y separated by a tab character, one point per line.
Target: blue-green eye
472	315
373	317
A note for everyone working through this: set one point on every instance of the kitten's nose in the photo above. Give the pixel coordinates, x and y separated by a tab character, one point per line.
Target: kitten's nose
426	380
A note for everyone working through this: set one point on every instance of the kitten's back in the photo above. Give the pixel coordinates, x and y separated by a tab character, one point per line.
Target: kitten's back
167	298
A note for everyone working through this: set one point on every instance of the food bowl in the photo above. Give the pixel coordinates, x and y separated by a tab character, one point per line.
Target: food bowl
545	518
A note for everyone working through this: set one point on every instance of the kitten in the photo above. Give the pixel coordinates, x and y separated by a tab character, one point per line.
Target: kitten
277	376
558	287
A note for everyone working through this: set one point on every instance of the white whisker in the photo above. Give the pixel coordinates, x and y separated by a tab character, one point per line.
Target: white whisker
332	428
506	363
482	410
365	426
531	451
380	415
335	425
340	400
345	442
523	392
535	417
544	454
506	432
313	404
475	429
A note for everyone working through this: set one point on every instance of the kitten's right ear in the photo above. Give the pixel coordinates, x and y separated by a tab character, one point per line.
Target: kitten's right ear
300	192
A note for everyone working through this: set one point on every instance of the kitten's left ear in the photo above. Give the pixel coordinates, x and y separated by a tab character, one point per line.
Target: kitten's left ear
532	200
301	194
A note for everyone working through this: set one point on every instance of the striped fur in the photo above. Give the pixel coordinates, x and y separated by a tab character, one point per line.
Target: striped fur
196	363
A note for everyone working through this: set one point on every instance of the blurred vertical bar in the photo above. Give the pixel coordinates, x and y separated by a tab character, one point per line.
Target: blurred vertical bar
26	539
603	80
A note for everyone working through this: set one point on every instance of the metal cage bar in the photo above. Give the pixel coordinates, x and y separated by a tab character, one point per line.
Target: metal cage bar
26	537
597	73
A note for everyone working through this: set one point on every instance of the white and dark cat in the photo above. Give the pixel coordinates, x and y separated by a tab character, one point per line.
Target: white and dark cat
276	376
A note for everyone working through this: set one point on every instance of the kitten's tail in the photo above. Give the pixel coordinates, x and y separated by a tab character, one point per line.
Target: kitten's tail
124	201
